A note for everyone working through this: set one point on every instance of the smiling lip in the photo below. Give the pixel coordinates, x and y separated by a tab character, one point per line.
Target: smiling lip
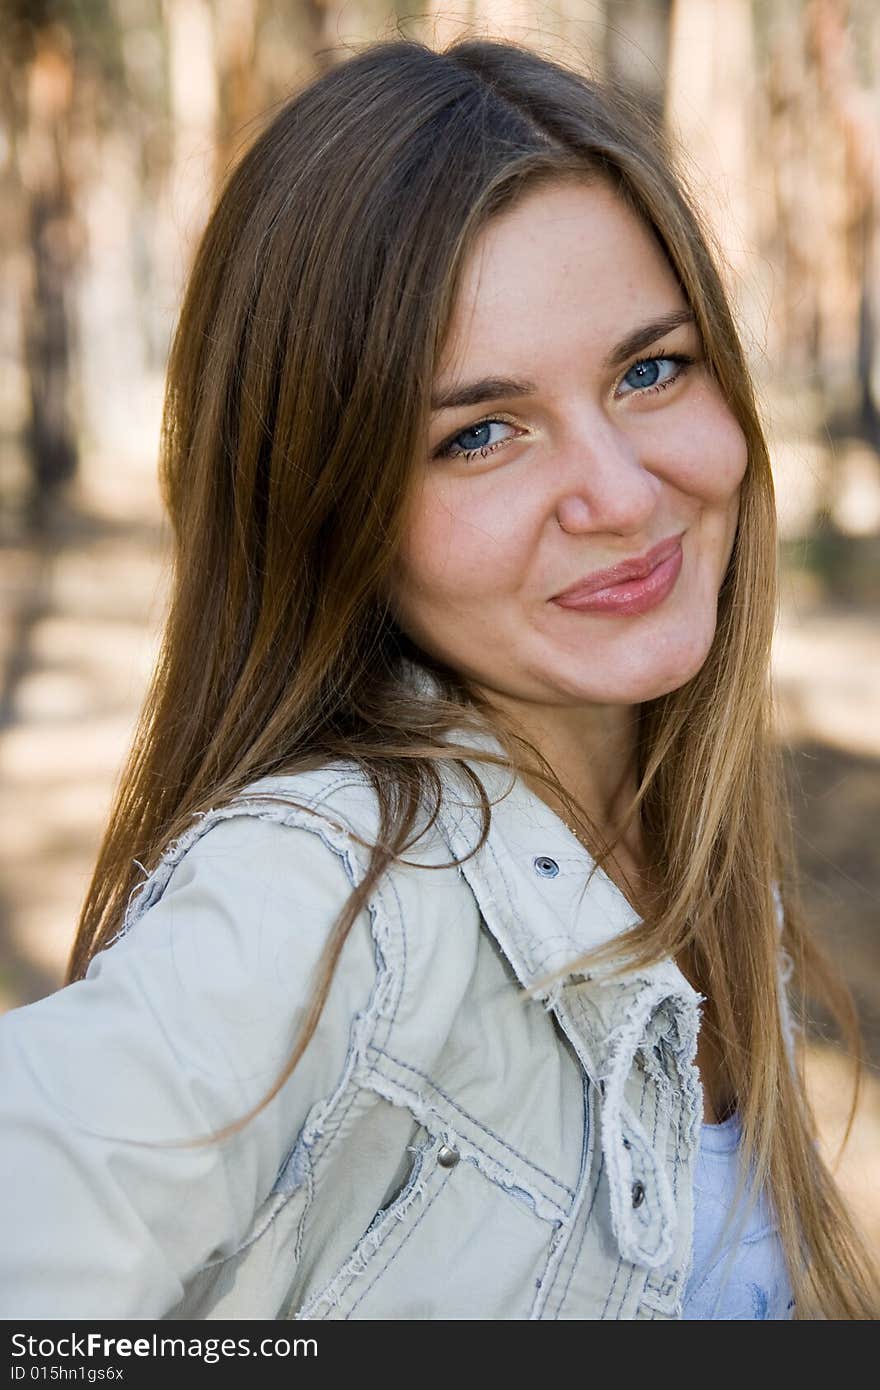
633	586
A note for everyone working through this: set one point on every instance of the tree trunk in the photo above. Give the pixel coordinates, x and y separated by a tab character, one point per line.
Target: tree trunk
43	154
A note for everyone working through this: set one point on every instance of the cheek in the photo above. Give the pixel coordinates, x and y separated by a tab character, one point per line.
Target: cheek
459	543
712	455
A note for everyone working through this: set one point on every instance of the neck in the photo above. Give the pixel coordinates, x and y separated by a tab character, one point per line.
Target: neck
592	750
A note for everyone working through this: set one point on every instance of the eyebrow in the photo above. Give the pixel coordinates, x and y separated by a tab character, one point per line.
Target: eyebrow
493	388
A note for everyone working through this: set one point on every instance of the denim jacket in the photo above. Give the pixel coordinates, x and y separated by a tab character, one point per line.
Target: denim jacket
446	1148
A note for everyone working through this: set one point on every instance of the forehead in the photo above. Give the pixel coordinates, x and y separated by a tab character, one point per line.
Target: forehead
568	269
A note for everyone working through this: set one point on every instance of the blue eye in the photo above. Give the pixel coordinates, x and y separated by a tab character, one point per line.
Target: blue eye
476	439
648	372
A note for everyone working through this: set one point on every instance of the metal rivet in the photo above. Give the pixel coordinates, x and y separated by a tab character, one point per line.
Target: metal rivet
545	866
638	1194
448	1157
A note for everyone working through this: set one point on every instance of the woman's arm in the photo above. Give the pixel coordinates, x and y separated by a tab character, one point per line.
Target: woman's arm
177	1030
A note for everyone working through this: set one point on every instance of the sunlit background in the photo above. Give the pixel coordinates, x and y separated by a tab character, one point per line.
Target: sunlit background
118	117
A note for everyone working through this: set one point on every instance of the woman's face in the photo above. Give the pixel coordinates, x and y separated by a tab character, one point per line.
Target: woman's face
590	460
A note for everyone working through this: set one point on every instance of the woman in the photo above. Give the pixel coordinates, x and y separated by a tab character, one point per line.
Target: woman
455	987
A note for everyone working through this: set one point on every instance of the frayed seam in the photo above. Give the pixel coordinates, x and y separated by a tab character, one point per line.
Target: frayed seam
294	1172
144	894
275	1203
362	1026
135	894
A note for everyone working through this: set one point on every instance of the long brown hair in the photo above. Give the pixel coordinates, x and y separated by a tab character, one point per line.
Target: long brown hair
297	403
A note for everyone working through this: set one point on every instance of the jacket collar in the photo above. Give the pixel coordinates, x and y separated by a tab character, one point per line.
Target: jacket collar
555	904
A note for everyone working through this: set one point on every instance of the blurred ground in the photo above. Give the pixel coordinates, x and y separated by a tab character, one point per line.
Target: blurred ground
80	620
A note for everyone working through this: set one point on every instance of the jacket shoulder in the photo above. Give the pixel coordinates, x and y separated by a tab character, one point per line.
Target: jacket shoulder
342	796
306	837
303	840
425	921
300	801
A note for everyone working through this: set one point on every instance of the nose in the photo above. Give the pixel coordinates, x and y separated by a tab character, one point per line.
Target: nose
603	481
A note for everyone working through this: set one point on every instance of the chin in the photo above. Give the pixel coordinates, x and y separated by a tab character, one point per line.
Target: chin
663	682
666	687
636	687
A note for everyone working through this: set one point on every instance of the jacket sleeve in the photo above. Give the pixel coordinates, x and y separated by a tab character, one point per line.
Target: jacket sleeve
178	1029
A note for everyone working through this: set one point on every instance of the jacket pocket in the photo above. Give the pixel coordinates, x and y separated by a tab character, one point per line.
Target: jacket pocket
459	1237
406	1185
441	1113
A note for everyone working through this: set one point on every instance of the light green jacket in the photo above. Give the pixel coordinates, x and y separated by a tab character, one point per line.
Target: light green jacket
445	1149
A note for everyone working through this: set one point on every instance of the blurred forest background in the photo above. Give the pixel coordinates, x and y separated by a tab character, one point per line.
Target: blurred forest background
118	118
